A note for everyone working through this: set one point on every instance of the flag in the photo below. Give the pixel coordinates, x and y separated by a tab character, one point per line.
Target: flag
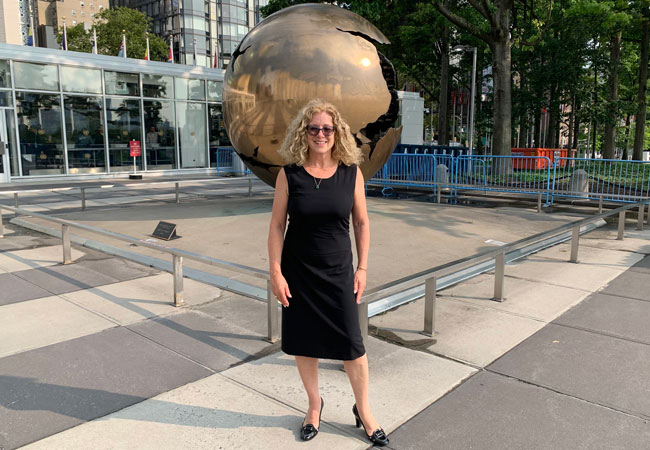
64	39
170	55
94	41
122	52
215	64
146	53
30	33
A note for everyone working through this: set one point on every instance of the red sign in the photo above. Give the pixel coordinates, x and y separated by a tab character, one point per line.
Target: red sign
134	147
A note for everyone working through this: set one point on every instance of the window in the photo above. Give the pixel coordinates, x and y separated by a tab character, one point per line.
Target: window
77	79
82	4
36	76
218	136
160	137
92	5
124	125
84	126
189	88
74	22
157	86
192	133
214	90
39	128
83	13
73	12
5	74
119	83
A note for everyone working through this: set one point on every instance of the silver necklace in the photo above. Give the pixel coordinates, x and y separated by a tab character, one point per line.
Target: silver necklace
317	183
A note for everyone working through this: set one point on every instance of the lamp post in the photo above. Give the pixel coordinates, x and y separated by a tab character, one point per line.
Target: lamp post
473	93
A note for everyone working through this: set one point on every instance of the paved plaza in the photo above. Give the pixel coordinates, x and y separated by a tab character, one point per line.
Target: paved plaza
93	354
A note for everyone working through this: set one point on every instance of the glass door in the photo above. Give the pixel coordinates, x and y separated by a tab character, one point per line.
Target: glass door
4	150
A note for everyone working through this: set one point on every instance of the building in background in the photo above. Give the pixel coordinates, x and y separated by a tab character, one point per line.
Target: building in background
14	21
50	14
216	25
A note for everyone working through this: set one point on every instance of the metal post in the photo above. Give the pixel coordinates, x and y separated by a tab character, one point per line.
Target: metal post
600	204
83	199
2	228
16	200
539	201
178	280
473	94
499	273
273	316
648	214
363	319
639	225
178	198
574	244
438	191
430	288
621	225
65	238
250	187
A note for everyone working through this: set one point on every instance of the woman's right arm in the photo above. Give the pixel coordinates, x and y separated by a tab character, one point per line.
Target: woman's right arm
279	285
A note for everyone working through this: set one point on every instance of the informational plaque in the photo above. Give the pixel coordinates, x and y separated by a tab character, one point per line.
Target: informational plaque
165	231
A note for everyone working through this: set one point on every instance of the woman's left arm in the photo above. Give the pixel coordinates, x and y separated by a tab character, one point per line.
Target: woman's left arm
361	235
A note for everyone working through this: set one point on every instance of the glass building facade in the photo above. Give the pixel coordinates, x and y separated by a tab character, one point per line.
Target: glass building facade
215	25
68	113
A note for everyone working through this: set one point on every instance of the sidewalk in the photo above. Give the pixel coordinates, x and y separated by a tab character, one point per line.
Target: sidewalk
93	355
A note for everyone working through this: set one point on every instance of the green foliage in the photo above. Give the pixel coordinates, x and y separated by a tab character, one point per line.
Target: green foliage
109	25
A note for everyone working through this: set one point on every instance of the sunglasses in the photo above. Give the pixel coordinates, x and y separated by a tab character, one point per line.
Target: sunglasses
314	130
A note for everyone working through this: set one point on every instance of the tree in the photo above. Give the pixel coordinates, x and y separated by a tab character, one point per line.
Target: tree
109	25
639	129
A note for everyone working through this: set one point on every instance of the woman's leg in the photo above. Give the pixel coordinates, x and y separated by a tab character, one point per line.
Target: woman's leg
357	370
308	369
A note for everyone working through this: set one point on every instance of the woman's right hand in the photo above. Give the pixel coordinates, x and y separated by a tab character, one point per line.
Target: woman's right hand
280	289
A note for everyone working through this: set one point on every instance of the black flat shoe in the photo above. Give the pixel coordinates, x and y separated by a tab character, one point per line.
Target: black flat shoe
378	437
309	431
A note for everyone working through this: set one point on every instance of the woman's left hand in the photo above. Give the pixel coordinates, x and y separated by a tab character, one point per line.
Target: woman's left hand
359	284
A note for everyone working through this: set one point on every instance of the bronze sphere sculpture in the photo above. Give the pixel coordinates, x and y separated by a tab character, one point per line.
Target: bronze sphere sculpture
300	53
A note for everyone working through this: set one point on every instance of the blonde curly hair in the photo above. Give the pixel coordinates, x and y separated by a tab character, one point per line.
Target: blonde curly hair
295	149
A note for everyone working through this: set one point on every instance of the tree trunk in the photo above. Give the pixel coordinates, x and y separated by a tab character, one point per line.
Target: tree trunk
551	135
572	116
501	116
523	131
639	128
627	136
576	126
609	141
537	136
443	104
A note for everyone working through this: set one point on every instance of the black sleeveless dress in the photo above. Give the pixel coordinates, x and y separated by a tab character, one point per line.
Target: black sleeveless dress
321	320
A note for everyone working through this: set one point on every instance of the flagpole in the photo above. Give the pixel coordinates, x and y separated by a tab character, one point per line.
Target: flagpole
147	57
123	44
31	28
195	57
94	41
170	59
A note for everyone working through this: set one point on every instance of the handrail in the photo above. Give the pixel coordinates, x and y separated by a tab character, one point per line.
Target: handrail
429	276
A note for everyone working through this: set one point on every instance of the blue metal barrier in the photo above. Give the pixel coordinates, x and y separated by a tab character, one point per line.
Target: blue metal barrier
228	162
519	174
613	179
431	149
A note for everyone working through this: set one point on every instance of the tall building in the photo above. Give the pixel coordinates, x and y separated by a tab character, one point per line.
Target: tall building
14	21
51	14
208	25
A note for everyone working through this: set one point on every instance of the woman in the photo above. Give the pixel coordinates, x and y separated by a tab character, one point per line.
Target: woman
311	267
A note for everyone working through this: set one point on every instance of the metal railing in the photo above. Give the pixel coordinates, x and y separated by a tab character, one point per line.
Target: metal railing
611	180
429	279
177	256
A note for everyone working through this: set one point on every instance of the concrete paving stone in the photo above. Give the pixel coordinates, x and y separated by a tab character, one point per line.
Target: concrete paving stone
634	284
587	277
36	323
12	242
50	389
634	240
618	316
33	258
492	412
464	331
118	268
216	342
642	266
594	256
602	369
402	382
65	278
528	298
14	289
135	300
212	413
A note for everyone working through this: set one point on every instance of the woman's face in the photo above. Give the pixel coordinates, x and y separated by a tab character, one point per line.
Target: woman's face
320	143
